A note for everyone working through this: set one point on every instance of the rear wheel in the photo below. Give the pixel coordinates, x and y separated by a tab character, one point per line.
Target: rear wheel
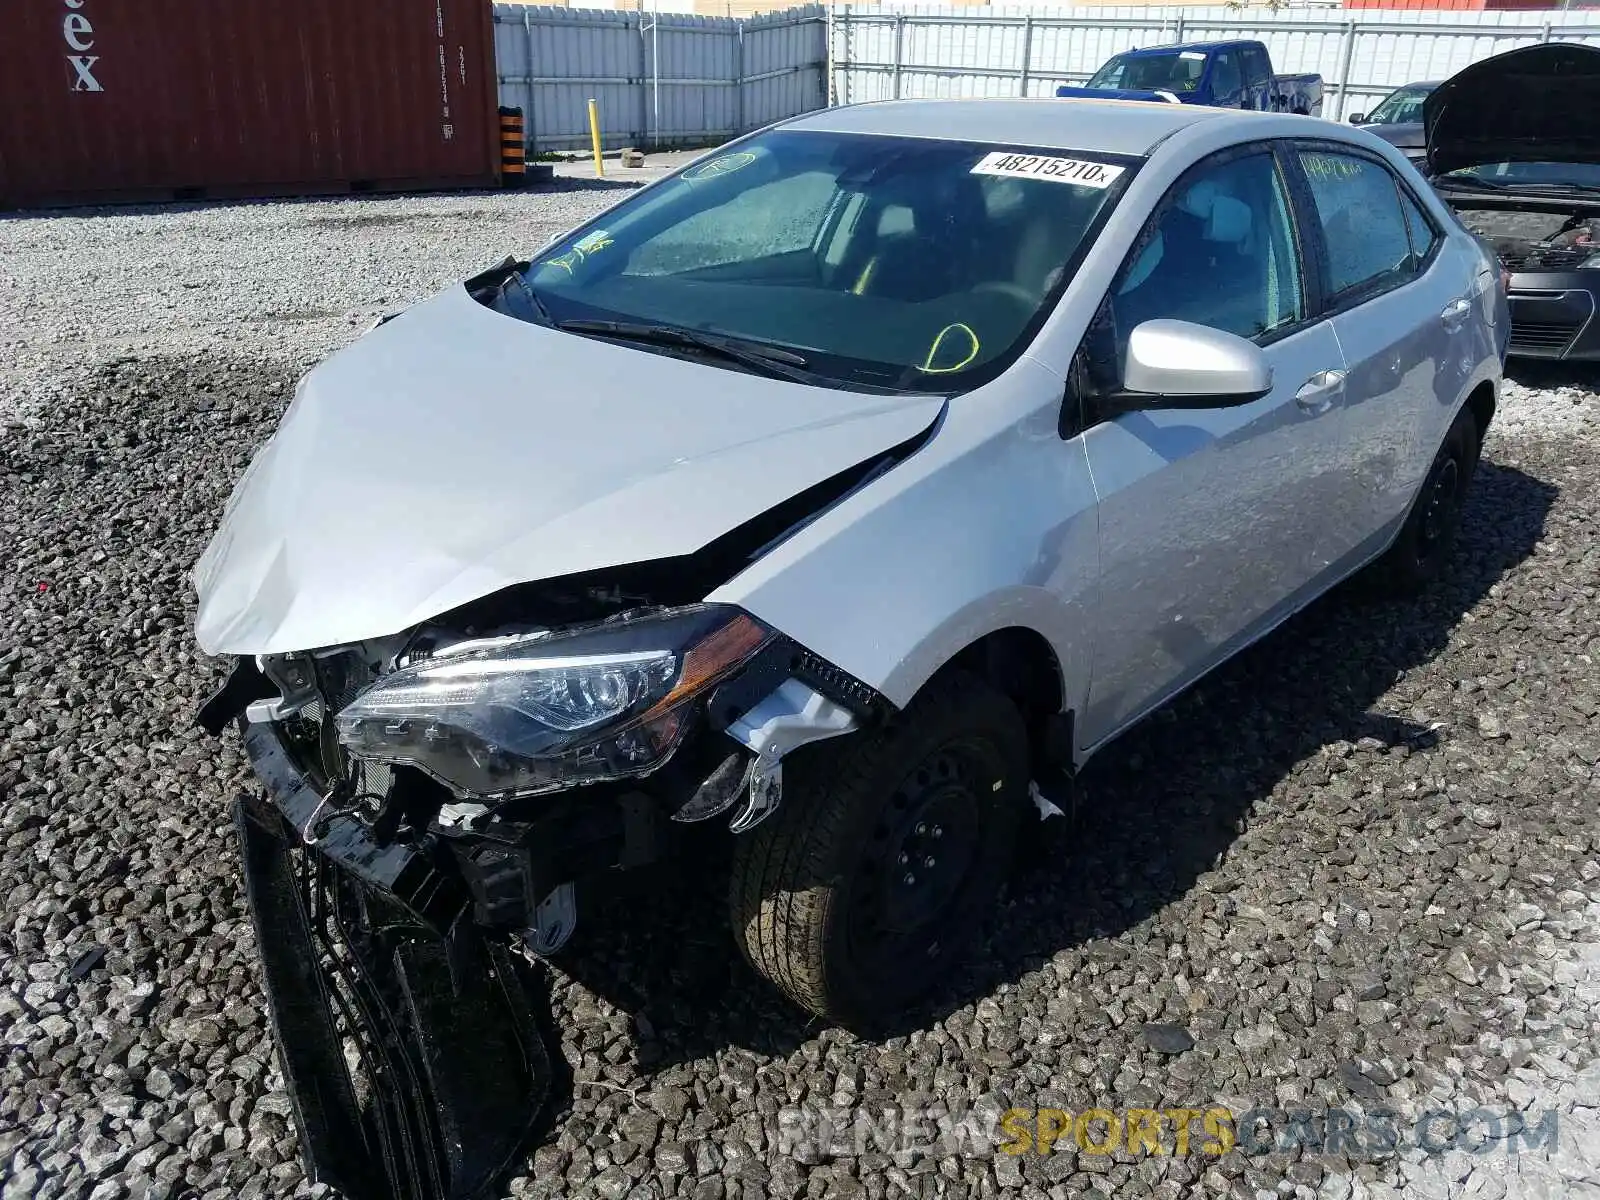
1428	536
889	849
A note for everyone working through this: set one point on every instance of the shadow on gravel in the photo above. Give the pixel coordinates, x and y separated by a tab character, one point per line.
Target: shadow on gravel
1163	805
1545	373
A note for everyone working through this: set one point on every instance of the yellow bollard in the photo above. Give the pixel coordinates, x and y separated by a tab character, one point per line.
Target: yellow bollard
594	136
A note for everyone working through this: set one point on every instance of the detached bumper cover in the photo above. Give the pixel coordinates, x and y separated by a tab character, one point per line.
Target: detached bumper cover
371	958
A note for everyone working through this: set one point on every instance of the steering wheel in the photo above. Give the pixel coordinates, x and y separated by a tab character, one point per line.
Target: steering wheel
1004	287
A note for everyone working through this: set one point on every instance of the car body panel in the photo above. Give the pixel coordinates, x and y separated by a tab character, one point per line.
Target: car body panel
833	554
1405	375
1536	103
1405	136
1209	521
1106	126
897	579
455	451
995	522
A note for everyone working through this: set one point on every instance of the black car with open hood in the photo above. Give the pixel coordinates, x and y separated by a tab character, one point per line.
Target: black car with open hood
1513	145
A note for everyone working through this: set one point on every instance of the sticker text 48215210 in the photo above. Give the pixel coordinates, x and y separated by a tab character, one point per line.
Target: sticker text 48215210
1040	166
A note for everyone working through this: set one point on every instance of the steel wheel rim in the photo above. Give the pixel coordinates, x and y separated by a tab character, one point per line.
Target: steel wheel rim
923	850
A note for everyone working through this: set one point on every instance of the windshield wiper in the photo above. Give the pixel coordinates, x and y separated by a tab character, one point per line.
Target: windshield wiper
766	360
531	296
1477	181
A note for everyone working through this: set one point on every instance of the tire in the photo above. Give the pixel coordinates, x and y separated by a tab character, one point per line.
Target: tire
1426	539
822	903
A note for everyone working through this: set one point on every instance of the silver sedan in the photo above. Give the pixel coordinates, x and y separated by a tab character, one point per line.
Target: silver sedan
836	497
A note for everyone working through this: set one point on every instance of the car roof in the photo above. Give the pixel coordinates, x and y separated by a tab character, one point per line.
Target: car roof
1224	44
1108	126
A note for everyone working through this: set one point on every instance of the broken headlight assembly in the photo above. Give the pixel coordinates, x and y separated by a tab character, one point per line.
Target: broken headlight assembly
524	714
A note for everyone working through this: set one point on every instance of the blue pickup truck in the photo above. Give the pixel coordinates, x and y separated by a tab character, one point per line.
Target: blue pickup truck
1216	74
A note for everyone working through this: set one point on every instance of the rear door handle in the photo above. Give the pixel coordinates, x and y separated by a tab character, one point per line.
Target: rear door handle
1317	394
1455	314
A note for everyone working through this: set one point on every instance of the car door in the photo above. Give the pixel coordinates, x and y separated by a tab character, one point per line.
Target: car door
1400	311
1227	80
1257	77
1207	517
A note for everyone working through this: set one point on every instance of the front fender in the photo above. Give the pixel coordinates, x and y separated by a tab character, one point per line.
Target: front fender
991	525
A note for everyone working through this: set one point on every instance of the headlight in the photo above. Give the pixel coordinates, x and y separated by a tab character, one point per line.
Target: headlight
1591	263
537	713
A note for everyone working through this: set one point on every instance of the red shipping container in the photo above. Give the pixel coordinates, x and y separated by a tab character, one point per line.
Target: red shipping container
1454	5
160	99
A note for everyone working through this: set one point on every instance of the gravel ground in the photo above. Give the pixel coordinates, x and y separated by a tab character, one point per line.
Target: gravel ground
1356	869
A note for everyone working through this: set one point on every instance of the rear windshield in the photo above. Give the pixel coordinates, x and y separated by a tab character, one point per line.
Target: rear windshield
1177	71
909	264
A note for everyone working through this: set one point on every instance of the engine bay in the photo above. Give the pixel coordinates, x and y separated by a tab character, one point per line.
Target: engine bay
1528	240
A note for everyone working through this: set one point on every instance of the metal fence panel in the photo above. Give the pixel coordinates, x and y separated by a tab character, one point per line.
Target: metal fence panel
659	78
909	50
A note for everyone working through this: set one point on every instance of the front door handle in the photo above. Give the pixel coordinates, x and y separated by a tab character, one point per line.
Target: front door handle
1455	314
1317	394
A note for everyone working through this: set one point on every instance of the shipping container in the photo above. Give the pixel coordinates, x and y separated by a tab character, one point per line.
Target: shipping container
107	100
1455	5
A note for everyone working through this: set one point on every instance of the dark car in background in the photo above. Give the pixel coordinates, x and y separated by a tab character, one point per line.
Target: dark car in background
1398	119
1234	74
1513	146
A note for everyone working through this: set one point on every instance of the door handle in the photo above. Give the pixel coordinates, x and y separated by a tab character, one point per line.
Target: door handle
1317	394
1455	314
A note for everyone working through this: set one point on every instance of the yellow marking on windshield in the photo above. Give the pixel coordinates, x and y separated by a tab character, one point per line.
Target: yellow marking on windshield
565	261
1325	166
724	165
927	367
866	276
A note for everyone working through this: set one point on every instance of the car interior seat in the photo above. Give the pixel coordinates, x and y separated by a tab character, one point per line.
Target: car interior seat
935	255
1203	259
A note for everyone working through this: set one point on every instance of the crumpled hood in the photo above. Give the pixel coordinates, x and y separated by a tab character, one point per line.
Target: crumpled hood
1538	103
455	451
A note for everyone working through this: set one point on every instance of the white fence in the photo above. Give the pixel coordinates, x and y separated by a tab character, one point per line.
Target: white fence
668	79
883	52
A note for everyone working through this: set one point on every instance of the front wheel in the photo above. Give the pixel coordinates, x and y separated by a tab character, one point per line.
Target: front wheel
888	851
1424	543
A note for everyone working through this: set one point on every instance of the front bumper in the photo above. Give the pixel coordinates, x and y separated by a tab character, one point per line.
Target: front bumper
405	1031
1553	314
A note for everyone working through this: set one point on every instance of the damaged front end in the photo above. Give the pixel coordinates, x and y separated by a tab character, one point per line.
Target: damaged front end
432	801
1549	256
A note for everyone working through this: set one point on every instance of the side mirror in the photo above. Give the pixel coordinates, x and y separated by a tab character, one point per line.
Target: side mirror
1177	364
1358	118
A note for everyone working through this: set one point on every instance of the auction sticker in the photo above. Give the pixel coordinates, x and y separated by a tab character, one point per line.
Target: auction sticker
1039	166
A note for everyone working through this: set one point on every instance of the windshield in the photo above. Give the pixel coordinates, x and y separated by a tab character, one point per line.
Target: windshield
1532	174
879	262
1176	71
1400	107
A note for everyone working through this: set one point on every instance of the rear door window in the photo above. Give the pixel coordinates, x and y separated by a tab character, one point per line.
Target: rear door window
1424	233
1357	203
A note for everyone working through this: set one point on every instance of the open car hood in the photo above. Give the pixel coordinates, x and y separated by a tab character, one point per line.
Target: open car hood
455	452
1536	104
